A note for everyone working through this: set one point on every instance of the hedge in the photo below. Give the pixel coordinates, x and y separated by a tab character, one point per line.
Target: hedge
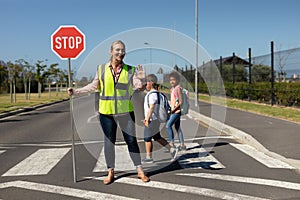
286	94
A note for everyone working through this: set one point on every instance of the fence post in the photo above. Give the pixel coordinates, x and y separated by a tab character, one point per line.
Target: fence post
221	66
250	75
233	68
272	73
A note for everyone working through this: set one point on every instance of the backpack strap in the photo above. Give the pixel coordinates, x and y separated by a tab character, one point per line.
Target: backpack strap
158	99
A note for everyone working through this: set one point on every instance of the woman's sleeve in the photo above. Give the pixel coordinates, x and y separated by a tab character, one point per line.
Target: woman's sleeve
136	81
94	85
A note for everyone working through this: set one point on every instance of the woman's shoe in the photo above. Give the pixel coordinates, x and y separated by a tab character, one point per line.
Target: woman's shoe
143	177
110	177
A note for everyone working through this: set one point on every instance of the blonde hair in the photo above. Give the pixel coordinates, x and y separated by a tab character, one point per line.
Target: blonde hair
115	43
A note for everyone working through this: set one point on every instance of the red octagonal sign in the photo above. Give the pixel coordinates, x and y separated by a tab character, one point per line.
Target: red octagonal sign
68	42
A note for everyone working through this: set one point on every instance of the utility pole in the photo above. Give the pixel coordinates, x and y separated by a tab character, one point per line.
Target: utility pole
196	67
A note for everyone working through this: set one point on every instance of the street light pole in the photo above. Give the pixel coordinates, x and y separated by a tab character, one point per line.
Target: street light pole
146	43
196	67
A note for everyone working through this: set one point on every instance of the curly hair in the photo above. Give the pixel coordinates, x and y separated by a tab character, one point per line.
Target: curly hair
175	75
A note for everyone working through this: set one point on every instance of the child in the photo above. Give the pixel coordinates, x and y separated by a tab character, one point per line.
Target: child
176	101
151	122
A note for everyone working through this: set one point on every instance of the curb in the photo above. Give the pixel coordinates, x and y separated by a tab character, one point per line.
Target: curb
28	109
243	137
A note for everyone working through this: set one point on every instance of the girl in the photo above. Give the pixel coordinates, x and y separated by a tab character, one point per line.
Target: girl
176	101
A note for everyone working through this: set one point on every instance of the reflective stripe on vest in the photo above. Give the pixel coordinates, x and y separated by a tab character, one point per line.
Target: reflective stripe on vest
115	97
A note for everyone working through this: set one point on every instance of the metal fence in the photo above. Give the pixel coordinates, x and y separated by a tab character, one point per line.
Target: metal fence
272	78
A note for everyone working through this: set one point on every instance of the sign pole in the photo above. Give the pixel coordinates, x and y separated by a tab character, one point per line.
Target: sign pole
72	125
69	42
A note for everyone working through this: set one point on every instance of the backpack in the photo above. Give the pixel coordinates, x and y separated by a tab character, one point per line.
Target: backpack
185	102
162	108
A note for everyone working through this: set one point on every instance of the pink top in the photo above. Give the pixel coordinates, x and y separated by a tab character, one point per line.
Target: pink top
174	96
95	84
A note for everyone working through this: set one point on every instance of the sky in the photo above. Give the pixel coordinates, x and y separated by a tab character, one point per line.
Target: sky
225	26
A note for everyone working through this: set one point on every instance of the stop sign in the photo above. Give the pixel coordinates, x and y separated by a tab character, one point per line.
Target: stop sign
68	42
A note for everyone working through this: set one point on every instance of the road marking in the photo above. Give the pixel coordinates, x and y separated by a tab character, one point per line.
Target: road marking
197	157
123	160
183	188
38	163
85	194
257	181
2	151
261	157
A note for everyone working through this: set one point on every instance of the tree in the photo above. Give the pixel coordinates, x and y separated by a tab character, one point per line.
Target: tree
40	67
51	75
63	77
240	73
261	73
282	57
3	76
27	71
13	73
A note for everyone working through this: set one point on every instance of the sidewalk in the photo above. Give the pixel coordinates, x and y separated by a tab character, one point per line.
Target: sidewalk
275	137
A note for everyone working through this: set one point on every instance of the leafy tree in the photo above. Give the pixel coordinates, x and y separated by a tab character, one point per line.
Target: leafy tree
14	71
240	73
51	75
3	76
261	73
39	76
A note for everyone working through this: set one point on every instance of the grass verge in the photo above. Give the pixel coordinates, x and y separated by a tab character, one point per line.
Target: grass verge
21	102
287	113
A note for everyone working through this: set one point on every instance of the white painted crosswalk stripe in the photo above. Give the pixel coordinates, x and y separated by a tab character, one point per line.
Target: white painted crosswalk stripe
78	193
183	188
2	151
123	161
38	163
261	157
257	181
197	157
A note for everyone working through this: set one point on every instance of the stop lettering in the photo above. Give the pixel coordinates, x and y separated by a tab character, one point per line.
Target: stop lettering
68	42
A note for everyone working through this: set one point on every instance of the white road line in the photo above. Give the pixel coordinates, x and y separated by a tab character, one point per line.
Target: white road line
78	193
2	151
261	157
197	157
257	181
123	161
38	163
183	188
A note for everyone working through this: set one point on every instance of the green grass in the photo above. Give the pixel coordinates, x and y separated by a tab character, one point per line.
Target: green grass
21	102
288	113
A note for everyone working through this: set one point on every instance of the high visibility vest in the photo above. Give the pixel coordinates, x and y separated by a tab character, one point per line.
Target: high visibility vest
114	98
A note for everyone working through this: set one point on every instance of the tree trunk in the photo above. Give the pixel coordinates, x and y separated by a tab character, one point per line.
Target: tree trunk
56	89
29	85
10	92
49	89
39	89
14	88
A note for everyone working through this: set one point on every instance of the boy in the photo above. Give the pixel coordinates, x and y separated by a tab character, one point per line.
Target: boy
151	122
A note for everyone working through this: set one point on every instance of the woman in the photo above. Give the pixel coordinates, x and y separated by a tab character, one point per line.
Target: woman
115	82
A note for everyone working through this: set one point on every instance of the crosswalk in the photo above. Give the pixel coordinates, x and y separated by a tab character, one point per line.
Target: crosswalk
38	163
42	161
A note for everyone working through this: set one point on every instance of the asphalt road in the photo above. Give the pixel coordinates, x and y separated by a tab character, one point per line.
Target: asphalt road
36	162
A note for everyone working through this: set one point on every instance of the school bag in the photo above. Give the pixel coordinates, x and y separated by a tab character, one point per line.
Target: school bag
185	102
162	109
